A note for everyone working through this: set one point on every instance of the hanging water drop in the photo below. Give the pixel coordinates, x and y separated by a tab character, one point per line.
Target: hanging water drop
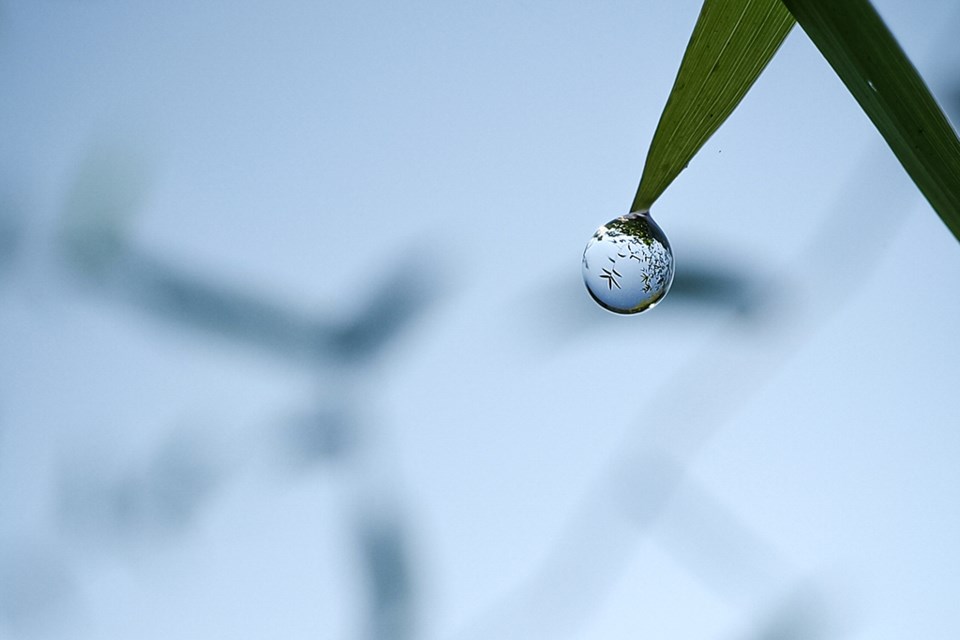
628	264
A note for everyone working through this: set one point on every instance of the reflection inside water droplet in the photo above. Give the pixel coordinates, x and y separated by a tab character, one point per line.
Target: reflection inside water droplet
628	264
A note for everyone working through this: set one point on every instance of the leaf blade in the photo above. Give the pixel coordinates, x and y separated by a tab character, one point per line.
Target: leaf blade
731	44
853	38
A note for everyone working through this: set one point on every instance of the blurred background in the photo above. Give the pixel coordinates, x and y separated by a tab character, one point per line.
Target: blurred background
293	341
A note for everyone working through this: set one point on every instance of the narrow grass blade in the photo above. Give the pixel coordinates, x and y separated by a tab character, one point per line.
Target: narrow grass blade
854	40
731	44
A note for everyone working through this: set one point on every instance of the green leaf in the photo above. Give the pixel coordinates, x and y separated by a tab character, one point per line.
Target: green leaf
731	44
852	37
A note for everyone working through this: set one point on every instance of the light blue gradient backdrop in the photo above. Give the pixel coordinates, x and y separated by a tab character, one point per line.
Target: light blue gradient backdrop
302	155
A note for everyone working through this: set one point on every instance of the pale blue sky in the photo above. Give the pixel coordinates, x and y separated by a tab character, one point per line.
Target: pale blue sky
301	154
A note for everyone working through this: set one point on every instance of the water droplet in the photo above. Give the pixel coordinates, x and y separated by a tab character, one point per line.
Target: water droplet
628	264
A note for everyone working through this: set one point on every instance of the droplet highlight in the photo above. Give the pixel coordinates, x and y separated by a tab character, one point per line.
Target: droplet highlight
628	264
